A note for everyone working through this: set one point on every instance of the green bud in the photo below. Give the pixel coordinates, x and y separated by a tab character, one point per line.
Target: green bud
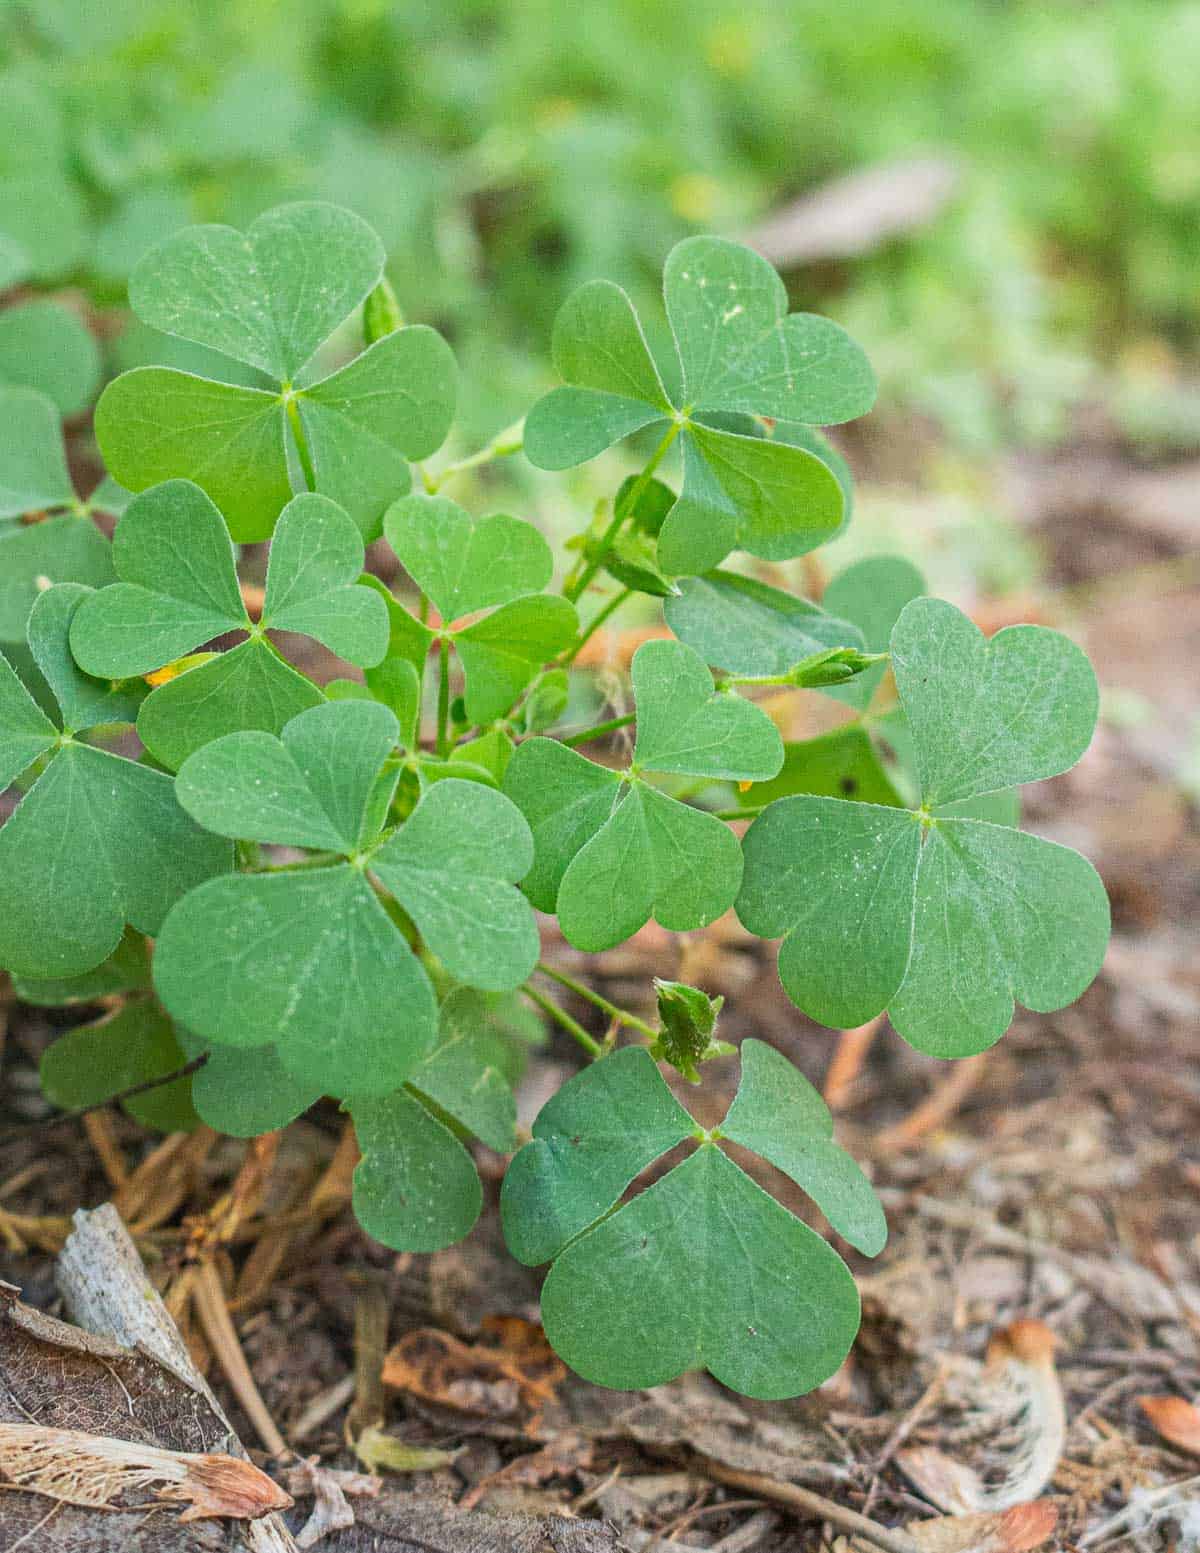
832	667
688	1018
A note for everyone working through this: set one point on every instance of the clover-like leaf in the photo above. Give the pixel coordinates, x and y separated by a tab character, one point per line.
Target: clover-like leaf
741	354
35	556
466	566
98	841
727	1279
453	866
747	627
243	1092
33	461
270	297
179	589
46	347
945	921
610	851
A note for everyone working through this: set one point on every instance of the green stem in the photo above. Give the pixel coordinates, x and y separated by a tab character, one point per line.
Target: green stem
593	625
598	732
502	445
298	432
443	712
561	1017
621	512
581	990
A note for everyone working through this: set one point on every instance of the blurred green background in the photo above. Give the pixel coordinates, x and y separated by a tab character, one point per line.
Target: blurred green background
1023	260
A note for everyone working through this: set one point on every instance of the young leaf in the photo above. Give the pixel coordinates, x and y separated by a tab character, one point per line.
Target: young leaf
746	627
46	347
98	841
465	564
769	1307
33	462
453	866
943	920
501	653
741	354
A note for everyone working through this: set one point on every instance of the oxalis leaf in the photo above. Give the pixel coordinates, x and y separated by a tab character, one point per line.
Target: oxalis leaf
725	1278
610	850
270	297
179	589
467	565
417	1188
91	1063
746	627
98	841
310	961
46	347
741	353
944	921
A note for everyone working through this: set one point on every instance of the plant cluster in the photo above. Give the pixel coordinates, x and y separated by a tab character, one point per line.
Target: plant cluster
340	880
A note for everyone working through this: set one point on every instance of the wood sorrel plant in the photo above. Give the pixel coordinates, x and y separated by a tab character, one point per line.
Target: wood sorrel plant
382	958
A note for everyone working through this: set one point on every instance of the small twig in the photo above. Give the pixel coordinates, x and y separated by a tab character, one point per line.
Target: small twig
847	1061
911	1419
35	1128
209	1300
98	1127
807	1503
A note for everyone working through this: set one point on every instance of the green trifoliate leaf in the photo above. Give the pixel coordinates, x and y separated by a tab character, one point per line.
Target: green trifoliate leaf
307	961
840	764
741	355
394	402
243	1093
310	787
33	462
155	424
688	1018
741	350
127	969
269	296
565	799
35	556
986	715
777	1113
501	653
746	627
492	751
590	1141
312	583
46	347
416	1187
726	1278
654	858
92	1063
246	688
98	841
686	726
872	594
465	564
941	919
453	866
